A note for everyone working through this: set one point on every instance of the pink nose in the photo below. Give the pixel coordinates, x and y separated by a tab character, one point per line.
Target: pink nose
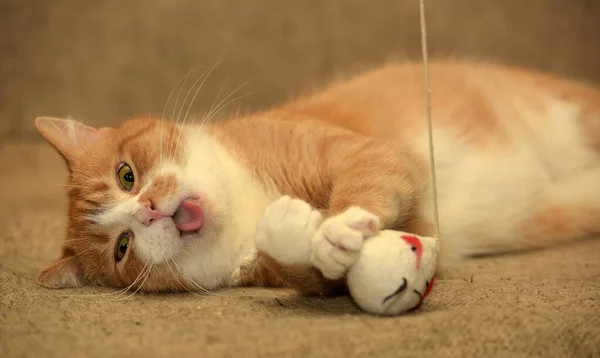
146	213
146	216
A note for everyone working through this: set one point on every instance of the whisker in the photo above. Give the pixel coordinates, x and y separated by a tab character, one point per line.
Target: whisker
117	293
205	75
124	290
186	277
171	138
192	282
162	118
140	286
179	94
206	120
177	278
213	108
198	90
202	77
171	258
209	118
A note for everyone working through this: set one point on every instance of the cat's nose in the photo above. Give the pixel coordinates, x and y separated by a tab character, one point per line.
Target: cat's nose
146	213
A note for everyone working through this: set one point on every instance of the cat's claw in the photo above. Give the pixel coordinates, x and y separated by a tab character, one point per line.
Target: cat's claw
337	244
286	230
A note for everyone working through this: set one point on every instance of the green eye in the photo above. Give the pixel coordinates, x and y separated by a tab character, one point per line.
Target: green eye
125	175
122	246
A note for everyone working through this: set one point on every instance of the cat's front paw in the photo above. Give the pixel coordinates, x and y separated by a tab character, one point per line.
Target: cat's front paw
337	244
244	275
286	230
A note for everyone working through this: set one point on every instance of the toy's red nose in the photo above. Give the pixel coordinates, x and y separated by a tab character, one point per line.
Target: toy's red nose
429	287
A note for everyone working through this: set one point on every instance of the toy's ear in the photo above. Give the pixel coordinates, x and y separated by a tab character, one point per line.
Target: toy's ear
69	137
64	273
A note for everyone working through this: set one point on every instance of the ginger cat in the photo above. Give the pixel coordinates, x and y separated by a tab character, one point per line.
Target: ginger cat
155	206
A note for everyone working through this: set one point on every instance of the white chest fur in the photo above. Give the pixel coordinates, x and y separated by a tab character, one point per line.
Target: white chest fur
238	203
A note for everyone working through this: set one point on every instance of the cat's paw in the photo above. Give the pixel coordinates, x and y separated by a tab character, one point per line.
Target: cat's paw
286	230
337	244
243	275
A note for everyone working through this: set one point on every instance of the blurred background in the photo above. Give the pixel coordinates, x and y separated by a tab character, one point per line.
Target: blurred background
102	61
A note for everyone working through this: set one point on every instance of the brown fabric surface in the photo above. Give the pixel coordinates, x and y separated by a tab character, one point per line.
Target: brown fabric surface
542	304
105	60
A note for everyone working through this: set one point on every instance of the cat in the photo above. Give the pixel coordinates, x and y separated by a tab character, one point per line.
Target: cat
156	206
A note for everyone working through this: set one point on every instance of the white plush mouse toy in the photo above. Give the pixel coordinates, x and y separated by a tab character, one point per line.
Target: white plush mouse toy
394	272
388	272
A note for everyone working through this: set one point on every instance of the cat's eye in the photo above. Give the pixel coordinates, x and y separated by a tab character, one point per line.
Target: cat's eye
125	175
122	246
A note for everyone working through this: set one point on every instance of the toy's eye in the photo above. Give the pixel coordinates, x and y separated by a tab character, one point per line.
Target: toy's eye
125	175
122	246
426	283
415	246
400	289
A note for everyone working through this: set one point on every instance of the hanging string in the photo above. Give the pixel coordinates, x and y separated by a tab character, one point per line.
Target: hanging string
429	122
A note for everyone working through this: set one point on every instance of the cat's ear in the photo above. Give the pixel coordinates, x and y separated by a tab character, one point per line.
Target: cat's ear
64	273
69	137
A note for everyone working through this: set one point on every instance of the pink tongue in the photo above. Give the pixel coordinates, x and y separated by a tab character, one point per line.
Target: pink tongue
189	216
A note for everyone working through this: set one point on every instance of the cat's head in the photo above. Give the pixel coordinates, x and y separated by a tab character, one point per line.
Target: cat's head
138	211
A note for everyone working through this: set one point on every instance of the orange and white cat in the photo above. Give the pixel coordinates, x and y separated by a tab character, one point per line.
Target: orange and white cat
157	206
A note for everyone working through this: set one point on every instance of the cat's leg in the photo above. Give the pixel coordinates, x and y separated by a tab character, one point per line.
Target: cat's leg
283	249
377	185
566	210
292	233
379	182
570	210
287	229
297	247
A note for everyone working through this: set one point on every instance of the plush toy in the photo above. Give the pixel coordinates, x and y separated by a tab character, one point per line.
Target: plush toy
388	272
394	272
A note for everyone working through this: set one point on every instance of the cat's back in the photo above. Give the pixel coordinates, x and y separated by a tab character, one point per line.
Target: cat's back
475	102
